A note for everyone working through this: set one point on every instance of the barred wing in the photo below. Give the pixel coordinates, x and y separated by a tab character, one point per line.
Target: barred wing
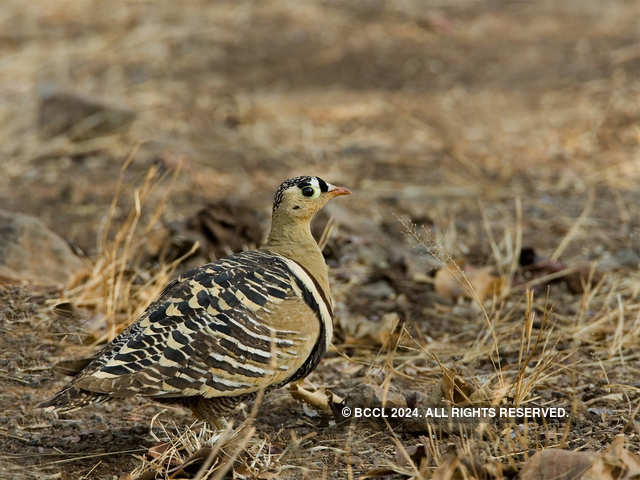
232	327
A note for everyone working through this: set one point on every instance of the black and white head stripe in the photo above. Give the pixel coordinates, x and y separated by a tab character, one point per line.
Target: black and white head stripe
299	182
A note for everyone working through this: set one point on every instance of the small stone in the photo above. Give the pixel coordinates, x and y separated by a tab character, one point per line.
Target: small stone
29	251
379	289
77	117
628	257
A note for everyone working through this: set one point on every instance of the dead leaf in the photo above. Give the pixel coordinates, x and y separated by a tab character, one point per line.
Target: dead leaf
446	283
615	464
158	450
470	281
321	399
456	389
556	463
417	454
389	398
362	331
449	470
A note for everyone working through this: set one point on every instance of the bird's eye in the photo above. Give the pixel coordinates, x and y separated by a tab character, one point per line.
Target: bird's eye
308	191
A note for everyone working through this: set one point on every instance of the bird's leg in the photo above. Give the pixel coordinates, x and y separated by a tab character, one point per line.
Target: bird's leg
213	419
206	410
219	423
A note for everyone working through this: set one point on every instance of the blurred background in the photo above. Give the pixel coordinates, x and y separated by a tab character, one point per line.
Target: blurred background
411	100
466	129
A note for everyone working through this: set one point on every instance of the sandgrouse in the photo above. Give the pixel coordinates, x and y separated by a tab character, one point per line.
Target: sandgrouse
222	332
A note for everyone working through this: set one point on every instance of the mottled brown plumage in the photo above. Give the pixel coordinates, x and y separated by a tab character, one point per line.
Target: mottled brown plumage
222	332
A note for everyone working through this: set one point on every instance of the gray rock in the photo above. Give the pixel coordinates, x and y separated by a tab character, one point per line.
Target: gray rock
78	117
628	257
622	258
29	251
379	289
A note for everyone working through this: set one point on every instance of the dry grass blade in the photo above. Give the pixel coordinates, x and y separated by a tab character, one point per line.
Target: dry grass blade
113	287
214	451
326	233
238	447
414	471
93	455
182	449
518	242
575	228
436	251
525	383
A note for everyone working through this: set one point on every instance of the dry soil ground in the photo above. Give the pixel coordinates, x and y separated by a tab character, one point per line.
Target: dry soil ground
494	125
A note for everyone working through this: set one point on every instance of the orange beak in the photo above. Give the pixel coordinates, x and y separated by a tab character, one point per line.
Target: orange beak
337	191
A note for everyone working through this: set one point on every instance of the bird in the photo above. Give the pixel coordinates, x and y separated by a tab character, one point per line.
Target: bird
223	332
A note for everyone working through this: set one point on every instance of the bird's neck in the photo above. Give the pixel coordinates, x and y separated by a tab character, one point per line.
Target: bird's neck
293	239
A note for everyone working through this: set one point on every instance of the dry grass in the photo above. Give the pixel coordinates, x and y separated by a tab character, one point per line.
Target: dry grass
485	127
211	452
118	287
540	363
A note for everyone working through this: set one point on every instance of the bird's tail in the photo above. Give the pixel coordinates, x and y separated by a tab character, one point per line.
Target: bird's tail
72	398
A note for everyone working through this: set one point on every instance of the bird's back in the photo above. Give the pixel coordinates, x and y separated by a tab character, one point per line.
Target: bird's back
229	328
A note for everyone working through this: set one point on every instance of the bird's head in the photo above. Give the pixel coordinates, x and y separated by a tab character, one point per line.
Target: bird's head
301	197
